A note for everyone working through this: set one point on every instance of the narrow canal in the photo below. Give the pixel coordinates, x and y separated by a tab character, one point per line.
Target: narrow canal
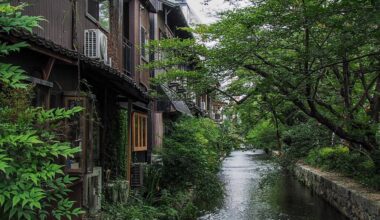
252	194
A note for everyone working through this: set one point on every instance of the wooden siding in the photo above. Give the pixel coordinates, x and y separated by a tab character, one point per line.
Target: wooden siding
138	17
144	22
58	15
58	26
114	35
158	130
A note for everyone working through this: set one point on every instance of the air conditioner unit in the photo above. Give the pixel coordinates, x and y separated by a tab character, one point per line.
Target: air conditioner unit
212	115
92	187
218	116
95	44
137	174
203	105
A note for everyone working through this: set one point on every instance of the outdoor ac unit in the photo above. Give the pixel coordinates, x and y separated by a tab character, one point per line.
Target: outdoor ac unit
137	176
203	105
217	116
92	187
212	115
95	44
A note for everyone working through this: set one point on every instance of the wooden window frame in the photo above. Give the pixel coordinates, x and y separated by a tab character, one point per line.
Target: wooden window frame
82	127
144	38
139	134
97	20
86	127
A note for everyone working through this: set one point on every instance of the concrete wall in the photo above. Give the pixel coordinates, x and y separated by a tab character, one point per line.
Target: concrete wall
352	199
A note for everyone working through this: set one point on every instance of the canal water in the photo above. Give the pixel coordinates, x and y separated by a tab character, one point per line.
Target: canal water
252	194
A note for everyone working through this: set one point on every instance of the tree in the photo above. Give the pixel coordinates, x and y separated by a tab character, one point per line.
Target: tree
32	183
321	56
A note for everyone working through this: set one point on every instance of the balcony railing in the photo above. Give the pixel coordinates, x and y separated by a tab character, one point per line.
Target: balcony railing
127	57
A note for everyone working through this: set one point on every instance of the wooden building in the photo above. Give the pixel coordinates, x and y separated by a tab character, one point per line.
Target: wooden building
87	53
167	21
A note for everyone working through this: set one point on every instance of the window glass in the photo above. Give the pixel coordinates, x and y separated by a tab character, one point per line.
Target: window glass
136	130
143	41
140	132
104	14
100	11
75	134
93	8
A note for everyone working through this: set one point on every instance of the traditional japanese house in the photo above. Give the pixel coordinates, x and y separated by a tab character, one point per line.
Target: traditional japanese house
87	54
170	17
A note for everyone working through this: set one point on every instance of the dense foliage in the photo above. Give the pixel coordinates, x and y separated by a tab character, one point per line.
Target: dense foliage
263	136
351	163
185	182
317	57
32	183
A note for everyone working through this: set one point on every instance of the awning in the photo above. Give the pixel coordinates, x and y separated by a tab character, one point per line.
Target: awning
176	18
179	105
120	80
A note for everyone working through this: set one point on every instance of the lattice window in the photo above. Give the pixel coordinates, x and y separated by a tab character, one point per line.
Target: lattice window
139	132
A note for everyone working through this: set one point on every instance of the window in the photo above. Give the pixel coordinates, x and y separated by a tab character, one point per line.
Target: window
161	36
99	10
143	36
81	131
140	132
75	133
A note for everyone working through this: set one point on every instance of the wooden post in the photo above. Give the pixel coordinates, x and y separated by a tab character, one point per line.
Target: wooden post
46	71
129	145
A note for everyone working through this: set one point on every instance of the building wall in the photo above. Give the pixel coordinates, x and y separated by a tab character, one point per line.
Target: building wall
58	15
158	128
59	28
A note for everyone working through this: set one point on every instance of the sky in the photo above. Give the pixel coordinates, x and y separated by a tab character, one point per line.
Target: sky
207	13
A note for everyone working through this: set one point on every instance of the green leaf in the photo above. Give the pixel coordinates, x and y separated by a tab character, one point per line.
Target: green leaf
15	200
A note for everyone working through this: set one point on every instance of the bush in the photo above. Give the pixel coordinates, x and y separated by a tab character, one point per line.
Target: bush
190	152
134	209
351	163
263	136
301	138
231	138
331	158
32	182
186	183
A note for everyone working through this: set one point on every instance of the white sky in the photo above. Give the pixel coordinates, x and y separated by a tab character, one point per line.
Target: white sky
207	13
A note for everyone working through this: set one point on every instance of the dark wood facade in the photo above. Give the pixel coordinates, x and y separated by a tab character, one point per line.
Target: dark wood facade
64	77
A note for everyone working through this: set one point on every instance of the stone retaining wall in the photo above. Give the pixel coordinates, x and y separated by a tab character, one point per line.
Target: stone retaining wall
351	198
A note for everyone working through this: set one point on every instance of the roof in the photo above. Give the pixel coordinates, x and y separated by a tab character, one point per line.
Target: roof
177	16
118	78
151	4
179	105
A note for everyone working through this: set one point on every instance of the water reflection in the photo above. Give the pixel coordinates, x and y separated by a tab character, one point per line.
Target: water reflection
282	197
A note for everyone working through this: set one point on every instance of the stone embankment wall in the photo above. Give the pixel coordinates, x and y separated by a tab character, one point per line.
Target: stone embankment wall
352	199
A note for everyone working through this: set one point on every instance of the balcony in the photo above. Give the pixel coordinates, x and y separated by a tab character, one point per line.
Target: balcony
127	57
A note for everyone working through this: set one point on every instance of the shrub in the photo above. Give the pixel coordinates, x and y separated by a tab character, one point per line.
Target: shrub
231	138
134	209
301	138
350	163
263	136
331	158
190	152
32	182
186	182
